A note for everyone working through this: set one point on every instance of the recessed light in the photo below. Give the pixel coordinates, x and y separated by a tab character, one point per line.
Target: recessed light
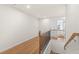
46	20
28	6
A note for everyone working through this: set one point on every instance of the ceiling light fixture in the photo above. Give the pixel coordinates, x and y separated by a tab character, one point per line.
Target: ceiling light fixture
46	20
28	6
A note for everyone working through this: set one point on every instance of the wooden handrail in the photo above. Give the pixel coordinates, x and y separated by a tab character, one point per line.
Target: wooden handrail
71	38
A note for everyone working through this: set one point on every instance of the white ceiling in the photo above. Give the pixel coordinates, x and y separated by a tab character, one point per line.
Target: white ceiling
43	10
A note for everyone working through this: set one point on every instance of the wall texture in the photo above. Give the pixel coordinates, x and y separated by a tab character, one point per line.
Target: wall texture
44	25
15	27
72	19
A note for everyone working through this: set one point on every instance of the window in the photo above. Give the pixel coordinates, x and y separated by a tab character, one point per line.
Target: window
60	24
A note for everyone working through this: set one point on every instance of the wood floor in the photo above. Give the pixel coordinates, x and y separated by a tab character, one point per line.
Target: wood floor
35	45
29	47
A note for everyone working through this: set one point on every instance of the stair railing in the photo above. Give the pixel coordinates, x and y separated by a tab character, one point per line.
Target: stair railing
70	39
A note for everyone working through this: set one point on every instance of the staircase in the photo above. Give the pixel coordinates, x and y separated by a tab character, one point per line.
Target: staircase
70	46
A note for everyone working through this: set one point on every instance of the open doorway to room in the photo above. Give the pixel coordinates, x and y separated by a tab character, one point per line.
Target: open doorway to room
58	28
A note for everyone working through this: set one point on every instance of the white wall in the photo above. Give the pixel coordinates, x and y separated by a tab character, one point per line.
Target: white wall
72	25
44	25
15	27
72	20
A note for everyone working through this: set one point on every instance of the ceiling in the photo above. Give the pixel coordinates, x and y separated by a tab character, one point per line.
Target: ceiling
43	10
